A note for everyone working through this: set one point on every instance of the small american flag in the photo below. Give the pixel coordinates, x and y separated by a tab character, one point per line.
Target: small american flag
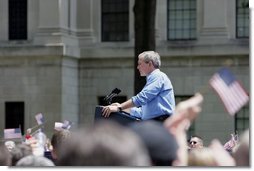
58	126
229	145
39	118
67	124
12	133
232	94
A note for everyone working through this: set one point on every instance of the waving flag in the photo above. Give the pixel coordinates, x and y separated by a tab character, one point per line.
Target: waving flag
65	125
232	94
58	126
12	133
39	118
229	145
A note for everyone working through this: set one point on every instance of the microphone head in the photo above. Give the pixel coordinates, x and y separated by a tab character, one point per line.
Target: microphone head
116	91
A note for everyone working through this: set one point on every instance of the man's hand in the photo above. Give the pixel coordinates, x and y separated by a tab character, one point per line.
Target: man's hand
116	104
222	157
106	110
188	109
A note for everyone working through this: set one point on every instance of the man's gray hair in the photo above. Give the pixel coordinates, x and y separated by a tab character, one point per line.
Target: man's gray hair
151	56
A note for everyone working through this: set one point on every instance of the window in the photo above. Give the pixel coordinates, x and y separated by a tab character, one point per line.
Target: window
242	120
115	20
191	130
181	19
17	19
14	115
242	19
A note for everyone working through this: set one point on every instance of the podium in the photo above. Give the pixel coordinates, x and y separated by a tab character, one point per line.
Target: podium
122	117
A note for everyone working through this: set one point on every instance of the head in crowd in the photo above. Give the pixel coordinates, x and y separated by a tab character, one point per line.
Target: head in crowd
10	145
196	142
20	151
5	156
160	143
241	153
105	144
34	161
57	139
201	157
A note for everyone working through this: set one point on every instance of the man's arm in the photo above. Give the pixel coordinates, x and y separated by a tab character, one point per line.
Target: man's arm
116	107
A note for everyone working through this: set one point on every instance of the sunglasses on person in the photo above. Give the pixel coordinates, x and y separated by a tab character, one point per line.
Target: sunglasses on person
193	142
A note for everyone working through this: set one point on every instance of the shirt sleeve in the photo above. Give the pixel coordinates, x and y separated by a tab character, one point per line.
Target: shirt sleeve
136	112
149	92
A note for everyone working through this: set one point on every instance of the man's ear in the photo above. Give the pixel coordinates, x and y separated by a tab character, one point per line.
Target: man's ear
150	63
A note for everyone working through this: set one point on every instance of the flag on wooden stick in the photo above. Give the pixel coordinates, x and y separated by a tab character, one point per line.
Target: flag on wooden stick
232	94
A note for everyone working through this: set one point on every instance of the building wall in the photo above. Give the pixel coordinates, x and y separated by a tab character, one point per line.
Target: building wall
37	82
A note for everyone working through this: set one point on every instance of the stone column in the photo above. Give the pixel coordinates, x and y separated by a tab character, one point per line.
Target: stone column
213	19
48	30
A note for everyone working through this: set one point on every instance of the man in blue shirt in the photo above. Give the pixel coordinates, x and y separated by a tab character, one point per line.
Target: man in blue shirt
156	100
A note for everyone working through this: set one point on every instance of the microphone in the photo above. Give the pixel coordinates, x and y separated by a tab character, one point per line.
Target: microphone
114	93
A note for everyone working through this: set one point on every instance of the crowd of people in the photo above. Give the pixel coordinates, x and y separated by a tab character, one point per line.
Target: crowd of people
143	143
158	139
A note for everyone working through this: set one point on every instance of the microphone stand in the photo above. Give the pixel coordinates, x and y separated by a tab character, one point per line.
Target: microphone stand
108	98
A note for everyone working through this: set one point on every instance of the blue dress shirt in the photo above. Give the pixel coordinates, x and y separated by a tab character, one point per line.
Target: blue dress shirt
156	98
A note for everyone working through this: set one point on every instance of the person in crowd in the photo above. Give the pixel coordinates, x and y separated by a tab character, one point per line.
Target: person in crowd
103	144
241	152
161	144
156	100
186	111
57	139
196	142
201	157
10	144
213	155
221	156
20	151
28	134
34	161
5	155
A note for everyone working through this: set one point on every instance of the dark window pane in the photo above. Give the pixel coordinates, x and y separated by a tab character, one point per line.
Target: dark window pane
119	99
14	115
242	18
181	19
115	20
17	19
242	120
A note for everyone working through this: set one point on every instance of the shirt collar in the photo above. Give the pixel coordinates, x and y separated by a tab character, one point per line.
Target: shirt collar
152	73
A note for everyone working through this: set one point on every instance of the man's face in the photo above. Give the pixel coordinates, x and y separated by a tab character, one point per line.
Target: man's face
195	142
143	67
